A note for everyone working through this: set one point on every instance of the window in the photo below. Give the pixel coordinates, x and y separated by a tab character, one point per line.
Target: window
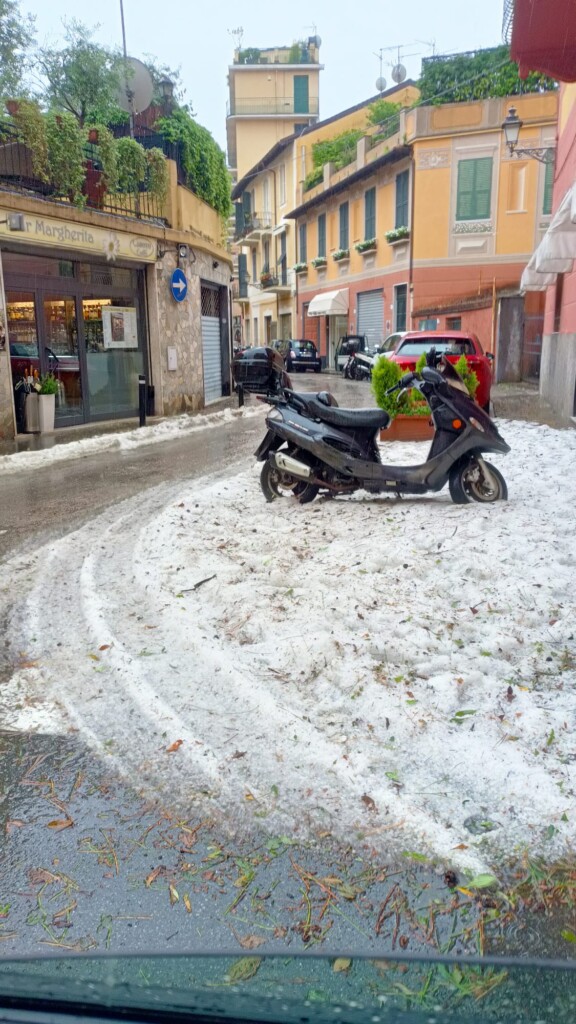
301	94
266	256
558	296
402	215
474	189
282	184
344	240
322	234
548	187
266	197
453	323
256	331
430	323
400	296
370	213
302	246
254	267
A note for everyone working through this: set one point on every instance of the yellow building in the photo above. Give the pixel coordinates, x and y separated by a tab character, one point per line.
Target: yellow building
267	281
273	93
429	227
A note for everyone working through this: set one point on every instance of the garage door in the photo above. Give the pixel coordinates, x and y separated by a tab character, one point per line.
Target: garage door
371	316
210	298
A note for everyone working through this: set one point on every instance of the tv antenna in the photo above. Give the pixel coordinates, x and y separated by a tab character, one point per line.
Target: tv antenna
316	37
398	73
237	35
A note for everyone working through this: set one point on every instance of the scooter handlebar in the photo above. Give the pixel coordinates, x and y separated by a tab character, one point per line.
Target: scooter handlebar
406	381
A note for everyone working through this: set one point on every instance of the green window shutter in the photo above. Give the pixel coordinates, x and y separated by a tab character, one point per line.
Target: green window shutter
402	218
303	248
401	296
301	105
344	233
474	189
242	275
548	188
370	213
322	234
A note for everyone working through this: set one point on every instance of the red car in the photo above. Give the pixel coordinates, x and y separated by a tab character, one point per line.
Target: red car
454	344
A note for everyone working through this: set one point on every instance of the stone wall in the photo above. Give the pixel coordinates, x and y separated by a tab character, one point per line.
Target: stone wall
6	401
178	325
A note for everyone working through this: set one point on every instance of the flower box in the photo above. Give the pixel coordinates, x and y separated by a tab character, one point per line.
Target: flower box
319	262
300	268
340	255
368	245
409	428
398	235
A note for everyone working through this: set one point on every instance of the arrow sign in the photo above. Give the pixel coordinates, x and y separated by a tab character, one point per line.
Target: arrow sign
178	285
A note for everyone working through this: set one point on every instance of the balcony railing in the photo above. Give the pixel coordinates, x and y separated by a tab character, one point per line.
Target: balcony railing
271	106
286	55
18	174
252	224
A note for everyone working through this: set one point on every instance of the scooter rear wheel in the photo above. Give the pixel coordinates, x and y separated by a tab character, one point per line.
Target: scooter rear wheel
275	484
467	484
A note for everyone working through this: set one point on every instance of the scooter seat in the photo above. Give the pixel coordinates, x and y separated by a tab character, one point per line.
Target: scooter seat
359	419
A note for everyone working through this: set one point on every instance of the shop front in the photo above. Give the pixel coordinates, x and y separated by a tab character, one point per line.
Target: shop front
78	312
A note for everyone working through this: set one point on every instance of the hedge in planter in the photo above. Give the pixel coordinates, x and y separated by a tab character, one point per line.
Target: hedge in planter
65	141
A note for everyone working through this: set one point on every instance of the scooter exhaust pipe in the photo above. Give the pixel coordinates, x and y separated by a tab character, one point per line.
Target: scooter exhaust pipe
289	465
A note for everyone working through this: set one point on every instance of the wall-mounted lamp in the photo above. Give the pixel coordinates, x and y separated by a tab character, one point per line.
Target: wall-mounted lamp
183	253
511	127
15	222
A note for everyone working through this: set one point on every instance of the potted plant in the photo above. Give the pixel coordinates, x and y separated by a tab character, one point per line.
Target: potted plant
132	165
341	254
368	245
318	262
158	180
300	268
105	157
48	390
265	278
31	128
65	140
411	419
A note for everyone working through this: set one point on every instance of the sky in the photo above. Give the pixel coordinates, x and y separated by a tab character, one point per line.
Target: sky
198	39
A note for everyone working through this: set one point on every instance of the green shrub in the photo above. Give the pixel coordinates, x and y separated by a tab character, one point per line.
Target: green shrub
385	375
48	385
65	139
132	164
468	375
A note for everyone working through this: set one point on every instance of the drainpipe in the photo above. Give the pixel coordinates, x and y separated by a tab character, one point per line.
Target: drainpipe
411	247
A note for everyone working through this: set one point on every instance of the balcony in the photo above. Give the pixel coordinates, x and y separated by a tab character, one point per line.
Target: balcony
251	226
271	106
275	283
18	173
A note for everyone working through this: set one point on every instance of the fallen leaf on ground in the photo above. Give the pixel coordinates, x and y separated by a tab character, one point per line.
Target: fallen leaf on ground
342	964
104	647
94	657
174	897
60	823
12	824
186	901
251	941
244	969
174	746
239	753
368	802
152	876
40	876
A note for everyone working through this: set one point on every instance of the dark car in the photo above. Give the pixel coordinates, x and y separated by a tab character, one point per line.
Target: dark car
299	354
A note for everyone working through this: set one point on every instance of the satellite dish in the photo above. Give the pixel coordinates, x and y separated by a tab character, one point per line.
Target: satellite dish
317	42
398	73
380	84
135	93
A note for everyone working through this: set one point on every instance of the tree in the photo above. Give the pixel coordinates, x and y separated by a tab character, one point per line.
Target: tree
16	38
83	77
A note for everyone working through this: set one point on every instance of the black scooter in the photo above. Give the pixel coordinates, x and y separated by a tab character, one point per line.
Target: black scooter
358	366
312	445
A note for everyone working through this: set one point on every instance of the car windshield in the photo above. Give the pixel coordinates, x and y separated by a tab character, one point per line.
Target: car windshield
451	346
287	618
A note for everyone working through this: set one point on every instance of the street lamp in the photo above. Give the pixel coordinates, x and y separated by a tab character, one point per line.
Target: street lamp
511	127
167	92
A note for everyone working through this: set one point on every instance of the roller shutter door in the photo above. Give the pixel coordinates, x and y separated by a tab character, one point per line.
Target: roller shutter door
211	349
371	316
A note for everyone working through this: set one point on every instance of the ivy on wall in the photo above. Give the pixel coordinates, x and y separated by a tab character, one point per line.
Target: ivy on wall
203	161
478	75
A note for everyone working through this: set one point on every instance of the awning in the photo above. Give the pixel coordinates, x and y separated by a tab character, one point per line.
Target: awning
557	250
544	38
329	303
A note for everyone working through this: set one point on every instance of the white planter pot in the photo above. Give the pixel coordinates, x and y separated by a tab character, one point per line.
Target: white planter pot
46	408
31	414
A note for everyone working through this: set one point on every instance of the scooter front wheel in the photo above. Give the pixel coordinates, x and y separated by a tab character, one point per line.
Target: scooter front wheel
468	483
276	484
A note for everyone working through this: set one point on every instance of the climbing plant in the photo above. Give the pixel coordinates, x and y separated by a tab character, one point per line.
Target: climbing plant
203	161
478	75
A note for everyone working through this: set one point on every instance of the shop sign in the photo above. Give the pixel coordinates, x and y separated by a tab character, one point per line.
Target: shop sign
78	237
119	327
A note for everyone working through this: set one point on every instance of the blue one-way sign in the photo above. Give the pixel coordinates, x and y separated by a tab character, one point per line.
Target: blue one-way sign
178	284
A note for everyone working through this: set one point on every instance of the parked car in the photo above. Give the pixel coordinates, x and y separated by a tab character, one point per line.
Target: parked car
348	344
410	346
299	354
386	347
